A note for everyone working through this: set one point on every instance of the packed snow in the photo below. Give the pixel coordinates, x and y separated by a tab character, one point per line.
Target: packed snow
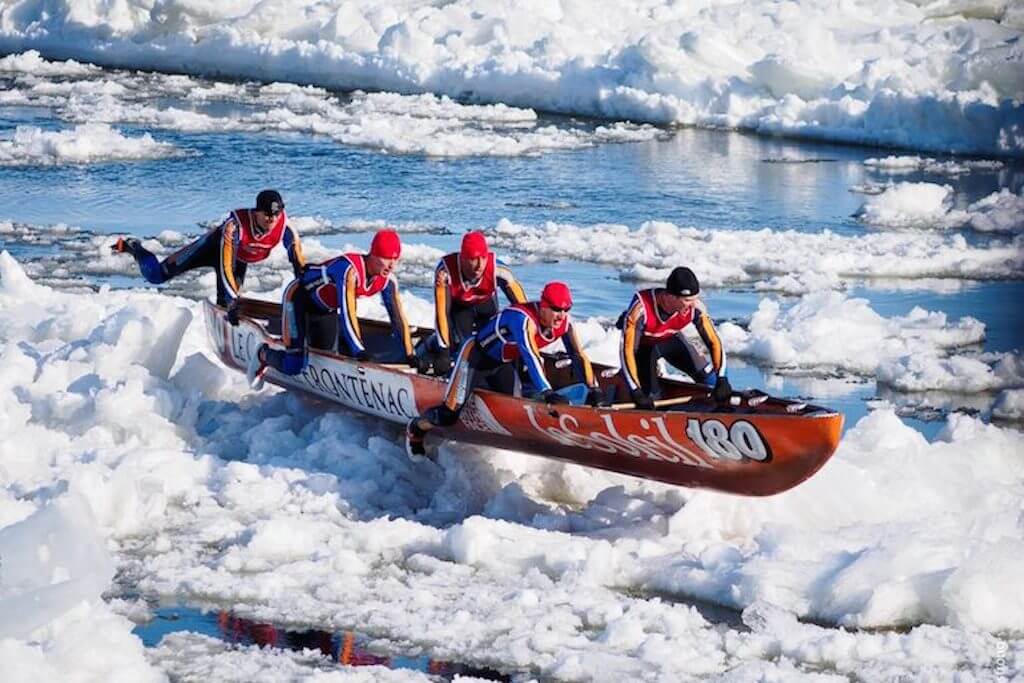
209	493
1010	405
911	352
928	76
85	143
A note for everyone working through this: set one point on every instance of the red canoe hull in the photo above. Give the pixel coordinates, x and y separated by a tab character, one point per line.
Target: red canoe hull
748	451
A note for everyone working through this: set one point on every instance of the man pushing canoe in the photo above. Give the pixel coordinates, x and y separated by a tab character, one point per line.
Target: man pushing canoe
466	284
505	355
245	237
656	325
334	287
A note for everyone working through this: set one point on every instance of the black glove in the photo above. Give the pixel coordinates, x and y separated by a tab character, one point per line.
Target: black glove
722	390
422	365
443	363
594	396
233	311
552	397
641	399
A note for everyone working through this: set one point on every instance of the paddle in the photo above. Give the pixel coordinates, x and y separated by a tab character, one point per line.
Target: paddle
660	403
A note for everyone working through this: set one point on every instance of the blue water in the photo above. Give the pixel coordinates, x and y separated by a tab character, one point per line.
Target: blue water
705	179
346	648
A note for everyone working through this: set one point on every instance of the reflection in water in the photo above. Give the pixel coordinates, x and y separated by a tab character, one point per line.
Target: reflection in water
344	648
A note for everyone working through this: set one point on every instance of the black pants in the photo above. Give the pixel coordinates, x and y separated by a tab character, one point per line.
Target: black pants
303	322
473	369
678	354
463	322
203	253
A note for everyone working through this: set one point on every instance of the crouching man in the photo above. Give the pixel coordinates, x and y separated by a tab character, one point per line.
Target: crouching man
335	286
504	355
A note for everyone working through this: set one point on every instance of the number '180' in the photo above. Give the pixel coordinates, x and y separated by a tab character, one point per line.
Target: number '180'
738	441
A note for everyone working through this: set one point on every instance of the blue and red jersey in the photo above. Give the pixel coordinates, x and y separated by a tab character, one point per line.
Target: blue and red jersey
242	240
337	284
517	334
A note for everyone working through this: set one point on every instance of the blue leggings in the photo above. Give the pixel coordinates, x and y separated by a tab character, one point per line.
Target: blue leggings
203	253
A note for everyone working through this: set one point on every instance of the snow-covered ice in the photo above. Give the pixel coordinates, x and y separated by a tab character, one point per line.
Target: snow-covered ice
85	143
931	206
425	124
910	352
206	492
930	76
786	260
898	165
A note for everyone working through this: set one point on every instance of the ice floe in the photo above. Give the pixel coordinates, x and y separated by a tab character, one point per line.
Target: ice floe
426	124
207	492
931	206
928	76
911	352
85	143
787	260
895	165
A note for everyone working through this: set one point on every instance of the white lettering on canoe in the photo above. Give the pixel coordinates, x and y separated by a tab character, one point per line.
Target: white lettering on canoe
388	394
656	444
365	388
741	440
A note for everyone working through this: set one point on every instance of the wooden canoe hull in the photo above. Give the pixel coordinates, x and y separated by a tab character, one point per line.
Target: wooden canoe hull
753	451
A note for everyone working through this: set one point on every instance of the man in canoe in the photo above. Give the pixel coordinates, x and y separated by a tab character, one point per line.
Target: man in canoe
656	325
246	236
505	353
466	286
335	286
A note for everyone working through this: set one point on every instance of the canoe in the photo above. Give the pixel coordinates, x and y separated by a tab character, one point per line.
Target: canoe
755	446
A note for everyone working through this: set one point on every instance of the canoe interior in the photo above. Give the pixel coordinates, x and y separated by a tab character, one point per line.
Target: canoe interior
322	334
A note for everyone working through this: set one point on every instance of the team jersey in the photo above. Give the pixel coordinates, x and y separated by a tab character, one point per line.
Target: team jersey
450	288
517	334
645	324
335	285
240	241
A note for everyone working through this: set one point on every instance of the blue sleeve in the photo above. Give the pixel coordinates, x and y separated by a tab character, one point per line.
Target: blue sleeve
342	275
519	326
294	248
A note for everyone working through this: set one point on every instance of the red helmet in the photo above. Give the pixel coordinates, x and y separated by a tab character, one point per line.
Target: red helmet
474	245
557	295
386	244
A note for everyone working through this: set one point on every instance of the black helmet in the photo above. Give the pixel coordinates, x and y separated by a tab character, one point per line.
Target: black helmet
269	202
682	282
